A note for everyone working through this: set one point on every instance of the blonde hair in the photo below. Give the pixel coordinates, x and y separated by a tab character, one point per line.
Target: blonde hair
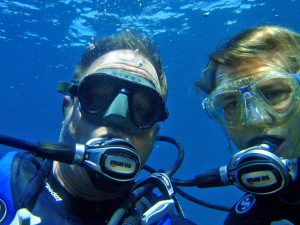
272	45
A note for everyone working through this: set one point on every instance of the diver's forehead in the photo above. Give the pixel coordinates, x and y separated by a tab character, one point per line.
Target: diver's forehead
127	60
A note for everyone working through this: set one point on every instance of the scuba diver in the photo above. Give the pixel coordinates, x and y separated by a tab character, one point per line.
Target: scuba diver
252	87
111	111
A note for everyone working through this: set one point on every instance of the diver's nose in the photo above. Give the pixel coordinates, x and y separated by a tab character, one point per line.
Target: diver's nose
255	113
117	112
117	115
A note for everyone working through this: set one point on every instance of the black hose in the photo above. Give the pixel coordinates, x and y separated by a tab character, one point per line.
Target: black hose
180	155
178	207
200	202
183	183
131	200
149	169
17	143
137	212
59	152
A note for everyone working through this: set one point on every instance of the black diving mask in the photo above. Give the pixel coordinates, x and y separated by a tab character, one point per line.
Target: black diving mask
117	96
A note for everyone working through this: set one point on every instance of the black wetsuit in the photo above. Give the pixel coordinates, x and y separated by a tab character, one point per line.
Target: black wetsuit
263	210
29	175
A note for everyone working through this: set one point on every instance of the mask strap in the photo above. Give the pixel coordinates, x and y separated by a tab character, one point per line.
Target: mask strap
67	102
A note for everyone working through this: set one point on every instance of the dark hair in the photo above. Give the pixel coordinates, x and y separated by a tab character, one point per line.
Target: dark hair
129	40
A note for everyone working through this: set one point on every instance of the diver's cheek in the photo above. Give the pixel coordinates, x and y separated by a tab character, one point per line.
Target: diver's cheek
292	140
75	128
239	137
67	132
291	131
144	143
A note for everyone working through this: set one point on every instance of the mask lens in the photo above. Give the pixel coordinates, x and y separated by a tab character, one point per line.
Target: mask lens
96	93
225	107
277	92
270	97
145	108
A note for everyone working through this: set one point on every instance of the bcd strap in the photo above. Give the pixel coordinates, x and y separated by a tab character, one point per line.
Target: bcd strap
27	176
161	181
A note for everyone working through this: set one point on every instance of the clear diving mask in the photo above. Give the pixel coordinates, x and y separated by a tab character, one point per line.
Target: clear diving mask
262	98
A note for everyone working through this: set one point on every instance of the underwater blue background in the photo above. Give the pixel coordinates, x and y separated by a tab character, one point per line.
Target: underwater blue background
42	41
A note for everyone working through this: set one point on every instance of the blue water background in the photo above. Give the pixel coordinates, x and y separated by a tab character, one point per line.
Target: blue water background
42	41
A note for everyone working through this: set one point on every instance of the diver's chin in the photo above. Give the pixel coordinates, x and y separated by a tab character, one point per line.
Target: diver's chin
111	189
88	186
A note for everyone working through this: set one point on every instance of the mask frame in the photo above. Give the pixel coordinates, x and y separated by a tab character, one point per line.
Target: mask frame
248	94
128	84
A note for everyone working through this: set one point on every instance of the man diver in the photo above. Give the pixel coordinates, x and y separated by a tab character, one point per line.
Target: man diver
117	95
252	84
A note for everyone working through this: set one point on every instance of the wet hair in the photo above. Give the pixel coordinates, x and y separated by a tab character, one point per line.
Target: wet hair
272	45
128	40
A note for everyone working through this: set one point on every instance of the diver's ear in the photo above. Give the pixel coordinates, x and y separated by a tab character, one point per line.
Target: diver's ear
67	102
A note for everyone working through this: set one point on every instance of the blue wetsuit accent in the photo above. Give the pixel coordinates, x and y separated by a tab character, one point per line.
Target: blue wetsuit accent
7	211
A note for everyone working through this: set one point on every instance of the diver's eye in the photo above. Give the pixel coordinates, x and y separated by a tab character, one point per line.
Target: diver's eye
280	100
277	93
230	107
226	104
276	96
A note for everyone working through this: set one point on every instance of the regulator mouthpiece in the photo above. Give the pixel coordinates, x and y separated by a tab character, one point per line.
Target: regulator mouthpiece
259	171
115	159
267	143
